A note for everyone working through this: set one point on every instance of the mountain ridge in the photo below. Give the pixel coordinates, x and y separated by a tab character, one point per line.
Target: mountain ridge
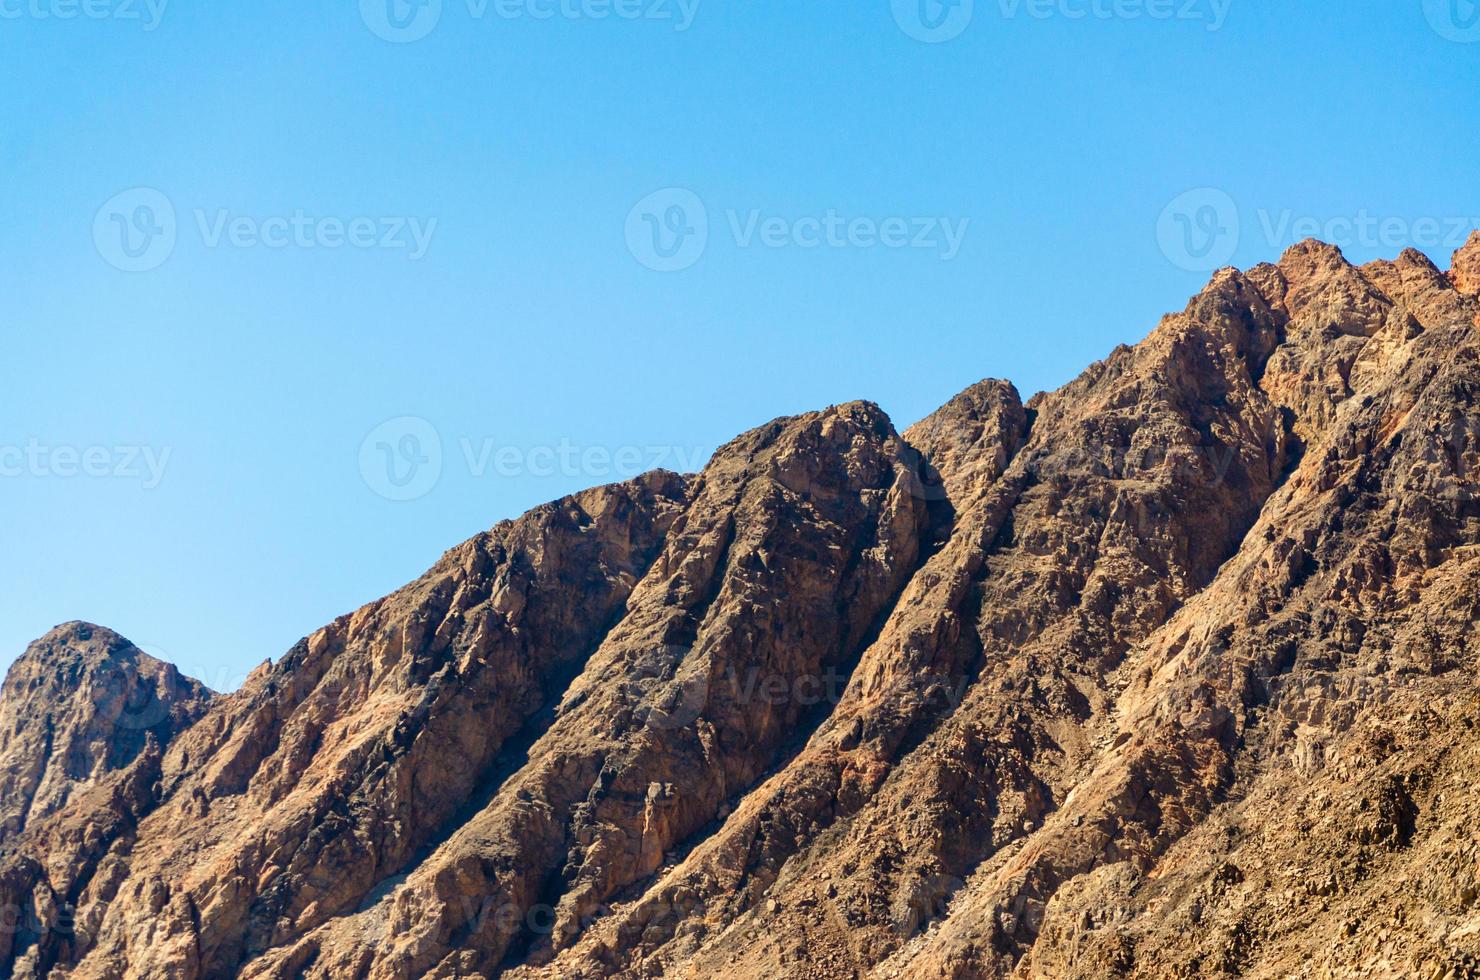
986	698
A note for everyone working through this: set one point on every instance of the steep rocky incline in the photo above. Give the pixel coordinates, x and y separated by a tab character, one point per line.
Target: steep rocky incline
329	770
798	539
987	691
1329	672
80	703
1166	673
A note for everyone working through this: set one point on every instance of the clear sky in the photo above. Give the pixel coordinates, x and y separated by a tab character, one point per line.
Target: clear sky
295	296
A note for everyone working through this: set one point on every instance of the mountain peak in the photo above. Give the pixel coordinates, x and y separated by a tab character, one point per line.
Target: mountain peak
73	630
80	702
79	637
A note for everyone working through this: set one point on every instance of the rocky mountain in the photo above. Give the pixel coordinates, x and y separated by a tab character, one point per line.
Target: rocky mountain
1168	673
80	703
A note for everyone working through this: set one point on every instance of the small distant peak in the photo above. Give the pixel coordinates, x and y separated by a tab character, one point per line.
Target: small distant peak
1464	270
75	627
993	390
1413	258
83	647
859	413
987	422
1322	285
838	423
1227	281
76	642
1313	252
989	393
860	408
664	480
76	633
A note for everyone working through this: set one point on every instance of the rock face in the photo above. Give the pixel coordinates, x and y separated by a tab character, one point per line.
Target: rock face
1167	673
80	703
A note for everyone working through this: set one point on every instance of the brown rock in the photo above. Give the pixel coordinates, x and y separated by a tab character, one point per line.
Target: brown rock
1168	673
80	703
1464	272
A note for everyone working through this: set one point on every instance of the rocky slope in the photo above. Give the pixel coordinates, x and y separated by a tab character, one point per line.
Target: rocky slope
1166	673
80	703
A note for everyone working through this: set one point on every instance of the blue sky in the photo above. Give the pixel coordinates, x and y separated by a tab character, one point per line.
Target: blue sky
295	296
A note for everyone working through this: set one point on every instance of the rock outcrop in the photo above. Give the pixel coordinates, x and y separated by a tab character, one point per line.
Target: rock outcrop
80	703
1167	673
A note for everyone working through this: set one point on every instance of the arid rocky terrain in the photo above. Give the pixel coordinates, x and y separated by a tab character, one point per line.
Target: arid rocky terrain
81	703
1168	673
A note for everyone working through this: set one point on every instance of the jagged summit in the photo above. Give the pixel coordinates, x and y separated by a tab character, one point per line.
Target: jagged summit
76	631
1167	673
79	703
